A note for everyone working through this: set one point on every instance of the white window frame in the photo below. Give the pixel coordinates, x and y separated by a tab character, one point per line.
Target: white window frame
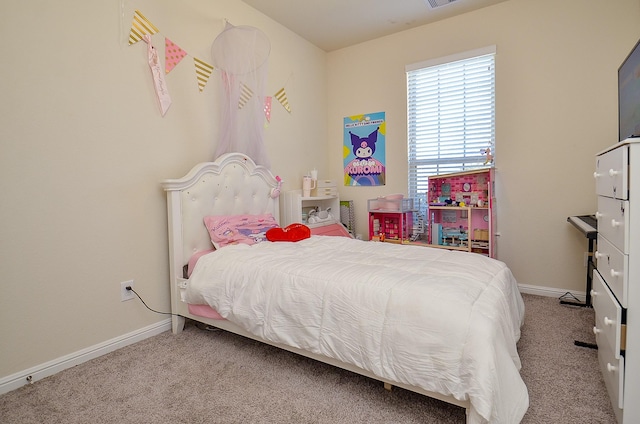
438	141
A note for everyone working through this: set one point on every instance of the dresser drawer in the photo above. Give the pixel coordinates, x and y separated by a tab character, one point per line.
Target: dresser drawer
613	374
613	266
611	173
613	221
608	316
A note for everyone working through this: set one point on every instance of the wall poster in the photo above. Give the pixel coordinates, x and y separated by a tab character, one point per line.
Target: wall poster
364	149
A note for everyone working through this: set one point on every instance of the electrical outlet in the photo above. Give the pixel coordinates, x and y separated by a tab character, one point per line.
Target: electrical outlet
124	293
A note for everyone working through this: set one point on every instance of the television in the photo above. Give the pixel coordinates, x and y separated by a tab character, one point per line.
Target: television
629	95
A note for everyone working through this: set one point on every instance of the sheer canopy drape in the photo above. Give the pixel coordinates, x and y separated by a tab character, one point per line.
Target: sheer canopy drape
241	54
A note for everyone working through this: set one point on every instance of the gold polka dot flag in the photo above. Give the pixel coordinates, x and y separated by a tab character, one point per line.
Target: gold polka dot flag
173	54
267	108
139	27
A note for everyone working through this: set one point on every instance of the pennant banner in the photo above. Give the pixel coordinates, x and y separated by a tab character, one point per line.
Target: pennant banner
245	95
282	98
203	72
172	55
142	28
139	27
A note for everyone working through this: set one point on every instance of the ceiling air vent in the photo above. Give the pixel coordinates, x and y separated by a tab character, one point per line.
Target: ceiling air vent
437	3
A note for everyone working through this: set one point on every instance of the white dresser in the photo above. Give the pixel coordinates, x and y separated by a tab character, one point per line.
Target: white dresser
616	282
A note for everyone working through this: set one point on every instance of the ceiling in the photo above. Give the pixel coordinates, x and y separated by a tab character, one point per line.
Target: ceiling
334	24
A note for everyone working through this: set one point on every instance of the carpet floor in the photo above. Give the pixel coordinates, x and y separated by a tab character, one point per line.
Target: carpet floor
202	376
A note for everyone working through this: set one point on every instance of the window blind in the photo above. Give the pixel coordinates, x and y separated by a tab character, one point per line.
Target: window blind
450	116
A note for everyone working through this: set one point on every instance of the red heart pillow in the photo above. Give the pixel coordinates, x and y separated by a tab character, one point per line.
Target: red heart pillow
292	232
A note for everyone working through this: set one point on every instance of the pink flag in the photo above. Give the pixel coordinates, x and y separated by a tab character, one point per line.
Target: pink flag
267	108
173	54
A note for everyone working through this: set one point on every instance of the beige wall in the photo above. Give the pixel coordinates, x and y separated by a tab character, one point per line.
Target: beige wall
556	104
83	149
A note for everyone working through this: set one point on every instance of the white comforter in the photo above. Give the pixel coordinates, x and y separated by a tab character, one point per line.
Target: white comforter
444	321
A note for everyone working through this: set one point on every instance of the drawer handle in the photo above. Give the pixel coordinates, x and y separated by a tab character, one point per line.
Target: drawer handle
596	330
596	175
593	293
608	321
598	215
611	368
598	255
615	273
615	223
613	173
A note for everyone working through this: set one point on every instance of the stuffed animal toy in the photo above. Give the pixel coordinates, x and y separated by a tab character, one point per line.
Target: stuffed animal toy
320	216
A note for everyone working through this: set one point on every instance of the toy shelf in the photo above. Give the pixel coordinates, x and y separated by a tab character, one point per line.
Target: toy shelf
390	220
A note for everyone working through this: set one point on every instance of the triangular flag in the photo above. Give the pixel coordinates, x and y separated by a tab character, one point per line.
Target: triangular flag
245	95
267	108
173	54
282	98
203	72
139	27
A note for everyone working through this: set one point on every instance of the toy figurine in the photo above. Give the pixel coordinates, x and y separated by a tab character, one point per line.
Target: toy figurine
489	156
275	192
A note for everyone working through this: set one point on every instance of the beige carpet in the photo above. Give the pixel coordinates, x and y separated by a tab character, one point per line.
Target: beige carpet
201	376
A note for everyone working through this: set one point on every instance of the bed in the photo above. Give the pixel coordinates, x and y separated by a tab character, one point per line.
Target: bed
440	323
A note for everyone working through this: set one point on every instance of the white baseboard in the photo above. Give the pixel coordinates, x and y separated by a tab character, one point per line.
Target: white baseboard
47	369
550	291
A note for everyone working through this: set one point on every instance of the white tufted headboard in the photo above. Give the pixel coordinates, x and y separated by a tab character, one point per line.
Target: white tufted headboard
232	185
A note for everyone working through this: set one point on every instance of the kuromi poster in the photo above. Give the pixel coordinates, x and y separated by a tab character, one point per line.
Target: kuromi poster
364	149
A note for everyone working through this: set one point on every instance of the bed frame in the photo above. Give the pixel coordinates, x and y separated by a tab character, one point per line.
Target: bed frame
233	184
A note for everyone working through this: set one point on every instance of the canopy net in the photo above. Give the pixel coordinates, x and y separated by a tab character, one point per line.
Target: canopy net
241	54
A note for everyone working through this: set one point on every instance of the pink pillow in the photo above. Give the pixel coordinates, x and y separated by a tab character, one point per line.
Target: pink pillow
235	229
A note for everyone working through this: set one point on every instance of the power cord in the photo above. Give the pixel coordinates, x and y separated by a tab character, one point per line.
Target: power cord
129	288
569	295
201	327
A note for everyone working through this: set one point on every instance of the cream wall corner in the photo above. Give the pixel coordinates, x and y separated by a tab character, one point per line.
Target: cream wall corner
84	148
556	106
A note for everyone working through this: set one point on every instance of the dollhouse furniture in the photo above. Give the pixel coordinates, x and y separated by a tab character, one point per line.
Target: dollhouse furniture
461	211
390	218
344	301
616	282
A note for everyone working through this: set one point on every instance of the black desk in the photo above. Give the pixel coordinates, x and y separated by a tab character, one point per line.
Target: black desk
588	225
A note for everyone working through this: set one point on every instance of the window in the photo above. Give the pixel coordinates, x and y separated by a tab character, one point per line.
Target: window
450	116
